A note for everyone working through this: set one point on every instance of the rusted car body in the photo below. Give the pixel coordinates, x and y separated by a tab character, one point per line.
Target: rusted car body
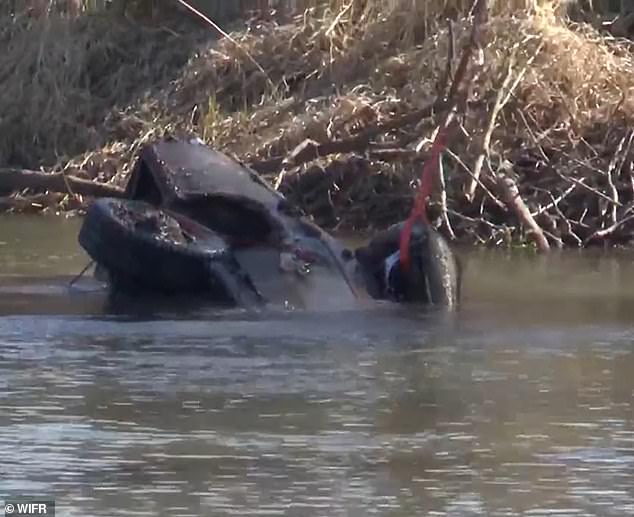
195	220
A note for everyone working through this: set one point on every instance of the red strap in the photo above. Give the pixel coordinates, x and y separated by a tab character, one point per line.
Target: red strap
419	210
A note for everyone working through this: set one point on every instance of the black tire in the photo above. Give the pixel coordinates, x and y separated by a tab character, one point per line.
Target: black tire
441	271
435	272
119	235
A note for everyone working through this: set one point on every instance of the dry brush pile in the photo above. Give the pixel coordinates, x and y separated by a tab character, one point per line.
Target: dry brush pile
333	106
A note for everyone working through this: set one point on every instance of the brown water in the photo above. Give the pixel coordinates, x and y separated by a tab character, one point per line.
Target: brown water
520	404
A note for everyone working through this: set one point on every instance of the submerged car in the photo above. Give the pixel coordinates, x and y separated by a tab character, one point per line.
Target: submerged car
193	220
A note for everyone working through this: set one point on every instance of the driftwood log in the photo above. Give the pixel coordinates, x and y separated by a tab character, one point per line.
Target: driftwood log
511	196
13	180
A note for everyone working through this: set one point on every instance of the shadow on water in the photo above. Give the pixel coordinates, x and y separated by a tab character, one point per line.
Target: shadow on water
518	404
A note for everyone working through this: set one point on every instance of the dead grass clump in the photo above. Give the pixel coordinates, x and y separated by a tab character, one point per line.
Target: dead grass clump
62	76
585	77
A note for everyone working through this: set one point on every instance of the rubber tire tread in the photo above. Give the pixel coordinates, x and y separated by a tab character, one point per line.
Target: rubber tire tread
136	257
442	271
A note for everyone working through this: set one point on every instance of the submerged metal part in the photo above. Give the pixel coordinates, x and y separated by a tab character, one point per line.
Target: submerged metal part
184	169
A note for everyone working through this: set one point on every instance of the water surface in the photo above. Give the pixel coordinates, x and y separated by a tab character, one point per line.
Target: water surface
520	404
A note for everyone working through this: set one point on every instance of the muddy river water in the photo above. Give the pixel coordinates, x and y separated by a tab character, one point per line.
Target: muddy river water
519	404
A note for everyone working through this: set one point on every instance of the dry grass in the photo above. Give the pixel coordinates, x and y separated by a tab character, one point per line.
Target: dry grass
87	83
334	78
64	78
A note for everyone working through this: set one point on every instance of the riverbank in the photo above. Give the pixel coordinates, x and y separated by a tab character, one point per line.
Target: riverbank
549	111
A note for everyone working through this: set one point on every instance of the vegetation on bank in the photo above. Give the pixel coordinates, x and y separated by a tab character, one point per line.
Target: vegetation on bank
549	108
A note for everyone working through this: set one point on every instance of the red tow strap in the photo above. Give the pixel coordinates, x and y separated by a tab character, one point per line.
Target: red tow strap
419	210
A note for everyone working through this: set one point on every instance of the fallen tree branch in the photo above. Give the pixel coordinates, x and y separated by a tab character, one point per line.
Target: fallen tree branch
601	234
31	203
12	180
502	98
479	13
484	188
397	155
581	183
554	201
443	201
338	18
564	222
450	57
610	176
511	196
485	142
310	150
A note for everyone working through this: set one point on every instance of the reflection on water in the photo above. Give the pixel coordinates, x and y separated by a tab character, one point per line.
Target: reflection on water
518	405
